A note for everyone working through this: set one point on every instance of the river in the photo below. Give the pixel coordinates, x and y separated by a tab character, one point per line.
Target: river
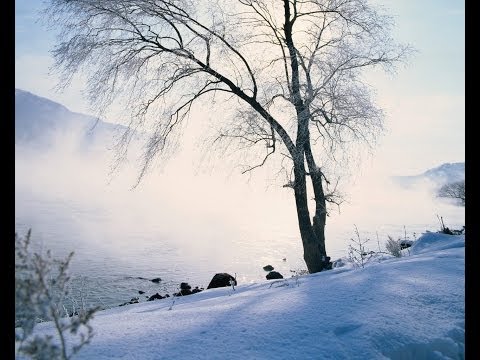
186	226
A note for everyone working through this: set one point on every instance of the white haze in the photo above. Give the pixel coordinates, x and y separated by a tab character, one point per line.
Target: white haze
186	223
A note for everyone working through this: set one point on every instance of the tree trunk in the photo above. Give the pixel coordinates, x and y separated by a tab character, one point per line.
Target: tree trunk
313	240
313	236
320	218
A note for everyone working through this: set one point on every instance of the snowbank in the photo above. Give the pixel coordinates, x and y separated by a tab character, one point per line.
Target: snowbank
400	308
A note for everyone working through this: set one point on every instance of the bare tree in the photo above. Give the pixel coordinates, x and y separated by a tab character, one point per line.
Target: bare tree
455	190
290	69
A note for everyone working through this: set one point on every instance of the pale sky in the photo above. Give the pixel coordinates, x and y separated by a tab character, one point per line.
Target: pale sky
424	102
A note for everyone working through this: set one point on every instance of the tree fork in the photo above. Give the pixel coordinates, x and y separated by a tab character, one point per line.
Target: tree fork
320	217
313	242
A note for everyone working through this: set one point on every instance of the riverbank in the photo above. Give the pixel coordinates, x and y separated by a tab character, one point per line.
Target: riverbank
408	307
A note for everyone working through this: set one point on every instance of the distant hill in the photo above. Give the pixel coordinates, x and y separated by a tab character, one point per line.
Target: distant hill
448	172
440	175
40	122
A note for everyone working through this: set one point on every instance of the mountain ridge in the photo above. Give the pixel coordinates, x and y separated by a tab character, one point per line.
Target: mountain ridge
442	174
39	121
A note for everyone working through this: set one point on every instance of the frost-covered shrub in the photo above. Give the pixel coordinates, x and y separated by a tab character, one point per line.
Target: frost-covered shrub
454	190
393	247
41	292
358	254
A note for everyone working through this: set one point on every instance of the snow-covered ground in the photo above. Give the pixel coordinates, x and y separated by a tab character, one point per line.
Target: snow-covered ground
398	308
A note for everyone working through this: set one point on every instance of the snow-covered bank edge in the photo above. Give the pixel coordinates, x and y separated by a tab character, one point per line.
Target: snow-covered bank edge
409	307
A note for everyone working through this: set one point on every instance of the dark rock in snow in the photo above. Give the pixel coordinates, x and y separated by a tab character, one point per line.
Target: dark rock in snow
406	244
221	280
183	292
132	301
274	275
156	280
197	290
186	289
339	263
268	268
327	264
185	286
156	296
141	292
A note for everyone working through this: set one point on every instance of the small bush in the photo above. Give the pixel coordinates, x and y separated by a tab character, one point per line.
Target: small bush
41	291
393	247
358	254
299	272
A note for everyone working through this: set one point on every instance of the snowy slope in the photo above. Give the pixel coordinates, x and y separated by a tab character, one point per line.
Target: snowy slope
440	175
400	308
41	122
447	173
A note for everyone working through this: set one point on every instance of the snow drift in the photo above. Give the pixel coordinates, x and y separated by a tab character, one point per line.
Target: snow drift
399	308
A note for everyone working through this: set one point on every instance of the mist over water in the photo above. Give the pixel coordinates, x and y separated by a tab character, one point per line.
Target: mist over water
182	224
